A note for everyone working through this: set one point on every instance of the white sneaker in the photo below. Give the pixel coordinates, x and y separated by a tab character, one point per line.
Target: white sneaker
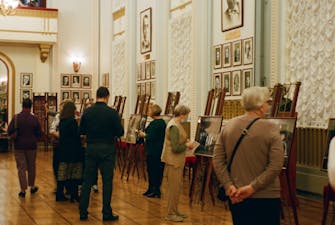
174	218
95	188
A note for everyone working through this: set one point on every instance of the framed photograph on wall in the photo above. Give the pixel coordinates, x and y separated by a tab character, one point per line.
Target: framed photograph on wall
226	55
26	80
76	81
231	14
142	88
217	81
65	95
237	53
87	81
147	88
86	94
25	93
142	71
75	95
145	31
139	70
217	56
147	70
248	51
65	80
153	69
105	80
248	78
153	90
227	83
138	89
236	80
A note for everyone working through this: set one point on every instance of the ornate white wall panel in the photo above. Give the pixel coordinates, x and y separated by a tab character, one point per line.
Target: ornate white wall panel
180	57
119	69
311	47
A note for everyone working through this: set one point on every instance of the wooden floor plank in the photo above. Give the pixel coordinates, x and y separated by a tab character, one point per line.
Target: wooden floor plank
128	202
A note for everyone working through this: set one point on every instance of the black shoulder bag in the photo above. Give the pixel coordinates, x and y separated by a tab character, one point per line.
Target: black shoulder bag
222	194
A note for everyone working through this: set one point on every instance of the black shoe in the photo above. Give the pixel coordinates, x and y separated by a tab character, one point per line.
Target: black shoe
22	194
83	217
61	198
147	192
33	190
154	195
74	198
110	217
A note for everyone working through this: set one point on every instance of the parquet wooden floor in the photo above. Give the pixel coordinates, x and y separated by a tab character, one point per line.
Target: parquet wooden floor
127	202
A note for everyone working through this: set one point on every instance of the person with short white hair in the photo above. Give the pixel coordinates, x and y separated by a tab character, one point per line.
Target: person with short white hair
250	176
331	163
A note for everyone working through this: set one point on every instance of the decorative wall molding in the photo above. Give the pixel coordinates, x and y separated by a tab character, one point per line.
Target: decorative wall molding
119	68
274	43
180	57
310	48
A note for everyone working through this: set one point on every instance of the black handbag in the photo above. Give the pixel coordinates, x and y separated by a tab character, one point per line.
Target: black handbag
222	193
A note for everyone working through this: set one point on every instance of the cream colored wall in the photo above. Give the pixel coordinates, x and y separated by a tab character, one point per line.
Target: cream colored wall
26	58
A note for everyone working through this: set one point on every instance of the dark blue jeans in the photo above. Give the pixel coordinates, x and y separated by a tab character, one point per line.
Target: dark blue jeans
100	156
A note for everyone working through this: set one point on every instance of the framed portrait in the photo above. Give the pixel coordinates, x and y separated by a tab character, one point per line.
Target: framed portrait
105	80
248	79
138	86
147	70
172	102
75	81
147	88
75	96
208	129
287	132
87	81
135	124
231	14
153	69
142	88
145	30
142	71
236	80
217	56
217	81
248	51
139	70
25	93
237	53
226	52
65	80
153	90
26	80
65	95
86	94
227	83
330	135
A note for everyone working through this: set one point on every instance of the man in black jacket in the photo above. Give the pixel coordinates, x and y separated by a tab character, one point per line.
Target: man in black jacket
101	124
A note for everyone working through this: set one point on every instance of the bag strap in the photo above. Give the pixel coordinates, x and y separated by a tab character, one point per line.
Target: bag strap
243	134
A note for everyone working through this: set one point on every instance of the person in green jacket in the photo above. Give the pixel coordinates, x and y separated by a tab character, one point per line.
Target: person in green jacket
154	139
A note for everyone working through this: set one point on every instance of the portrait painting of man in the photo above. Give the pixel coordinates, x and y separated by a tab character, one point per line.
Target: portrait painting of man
25	93
247	51
26	80
87	81
236	82
145	31
247	78
65	95
237	53
232	14
217	56
226	83
227	55
65	80
75	81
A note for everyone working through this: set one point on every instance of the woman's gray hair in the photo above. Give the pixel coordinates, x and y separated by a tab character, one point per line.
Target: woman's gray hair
254	97
181	110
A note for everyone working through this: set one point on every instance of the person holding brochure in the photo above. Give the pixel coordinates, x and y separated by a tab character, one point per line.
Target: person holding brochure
154	139
175	146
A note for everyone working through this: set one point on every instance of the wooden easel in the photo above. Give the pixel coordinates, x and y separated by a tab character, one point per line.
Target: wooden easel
214	107
285	98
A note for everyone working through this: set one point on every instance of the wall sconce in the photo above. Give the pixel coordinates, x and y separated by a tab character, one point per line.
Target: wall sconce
76	65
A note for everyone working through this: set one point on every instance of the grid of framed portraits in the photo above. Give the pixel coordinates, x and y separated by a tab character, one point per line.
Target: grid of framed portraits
236	53
287	132
147	88
26	85
208	129
76	87
330	135
146	70
234	81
